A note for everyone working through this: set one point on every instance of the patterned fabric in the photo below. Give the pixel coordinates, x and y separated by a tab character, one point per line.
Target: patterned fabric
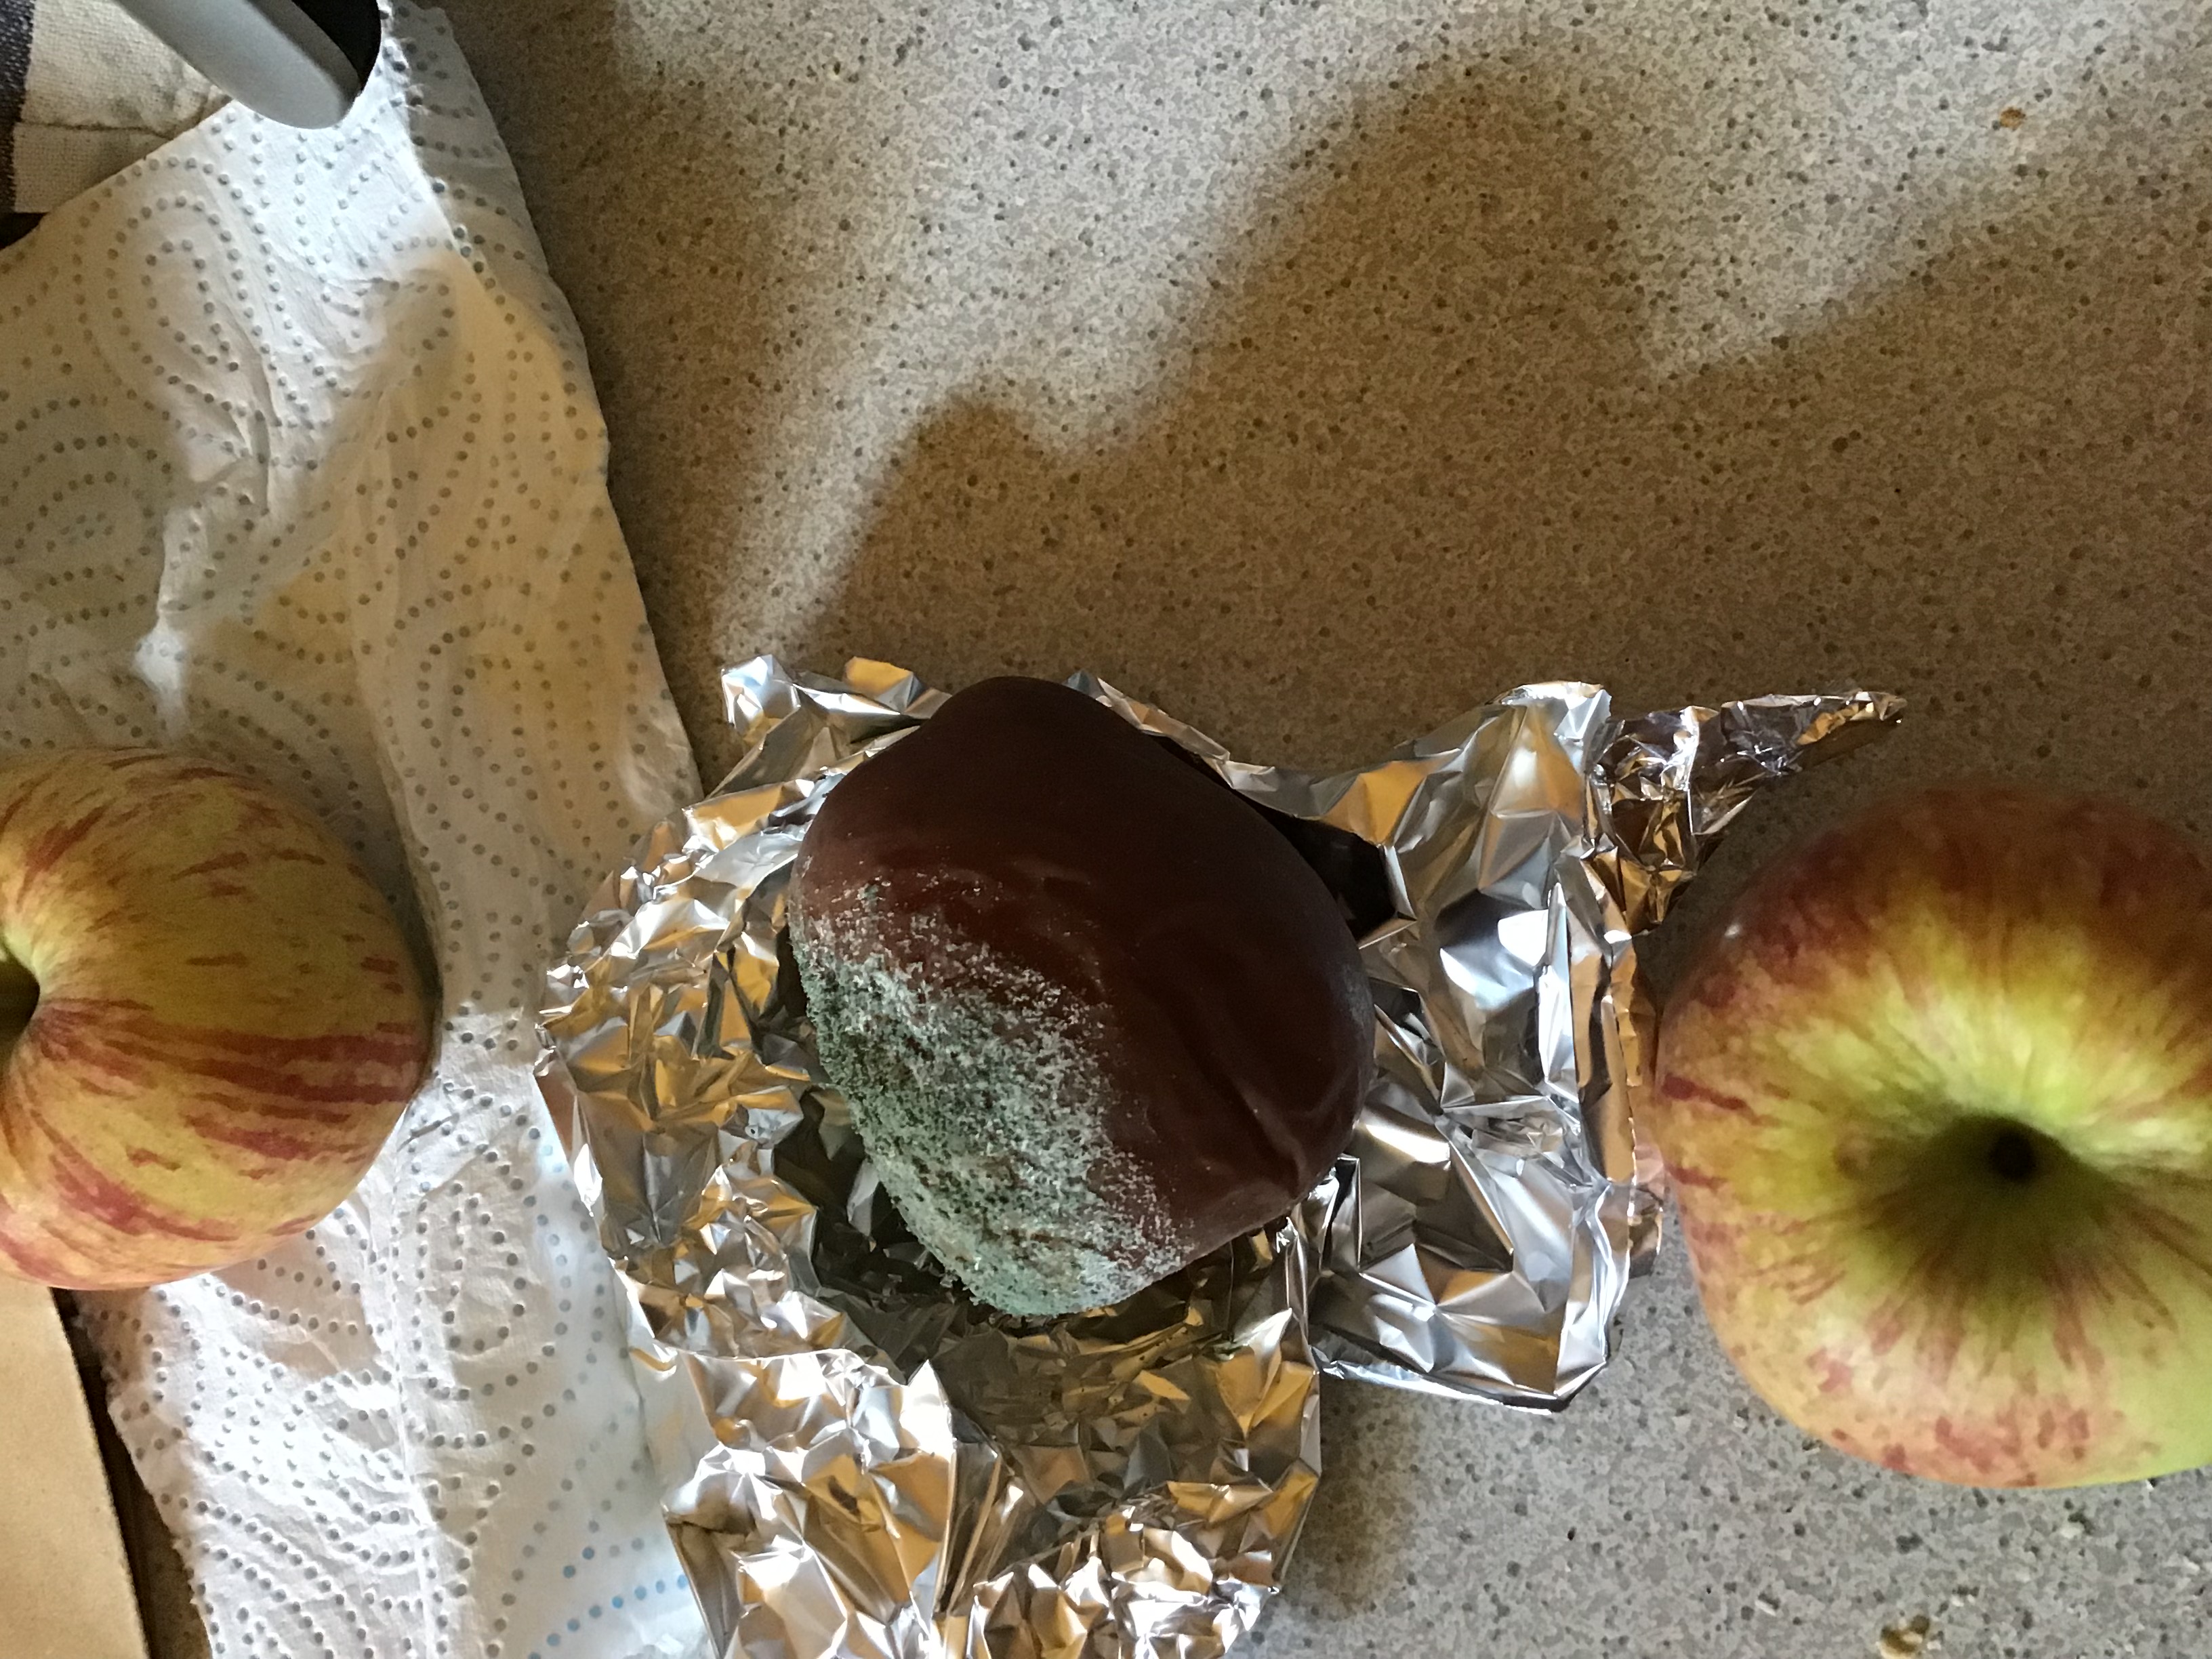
15	78
84	92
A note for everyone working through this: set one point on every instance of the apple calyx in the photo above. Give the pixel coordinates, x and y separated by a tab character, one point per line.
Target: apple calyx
2000	1153
19	995
2012	1154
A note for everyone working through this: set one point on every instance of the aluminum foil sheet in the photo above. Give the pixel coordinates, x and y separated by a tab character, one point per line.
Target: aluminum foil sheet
860	1462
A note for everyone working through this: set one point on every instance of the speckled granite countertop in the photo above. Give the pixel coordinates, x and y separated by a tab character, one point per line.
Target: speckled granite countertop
1248	353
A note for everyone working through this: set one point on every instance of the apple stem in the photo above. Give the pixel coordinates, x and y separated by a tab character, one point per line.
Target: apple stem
19	994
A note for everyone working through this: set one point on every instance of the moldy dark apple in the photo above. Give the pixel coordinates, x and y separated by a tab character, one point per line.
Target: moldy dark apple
1094	1016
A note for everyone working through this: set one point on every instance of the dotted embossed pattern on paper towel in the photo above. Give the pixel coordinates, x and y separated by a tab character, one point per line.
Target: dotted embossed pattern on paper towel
299	464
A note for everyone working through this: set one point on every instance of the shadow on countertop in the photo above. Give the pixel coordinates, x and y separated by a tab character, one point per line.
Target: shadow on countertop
1422	454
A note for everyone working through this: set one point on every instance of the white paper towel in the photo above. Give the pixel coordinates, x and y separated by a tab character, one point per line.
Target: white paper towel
299	464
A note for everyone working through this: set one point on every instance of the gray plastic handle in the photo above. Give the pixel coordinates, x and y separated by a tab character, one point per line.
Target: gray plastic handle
268	54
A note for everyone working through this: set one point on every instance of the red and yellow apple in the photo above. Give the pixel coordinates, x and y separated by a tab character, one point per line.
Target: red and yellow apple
1937	1104
209	1020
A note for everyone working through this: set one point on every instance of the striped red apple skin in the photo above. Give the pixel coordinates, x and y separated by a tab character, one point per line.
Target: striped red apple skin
209	1019
1937	1103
